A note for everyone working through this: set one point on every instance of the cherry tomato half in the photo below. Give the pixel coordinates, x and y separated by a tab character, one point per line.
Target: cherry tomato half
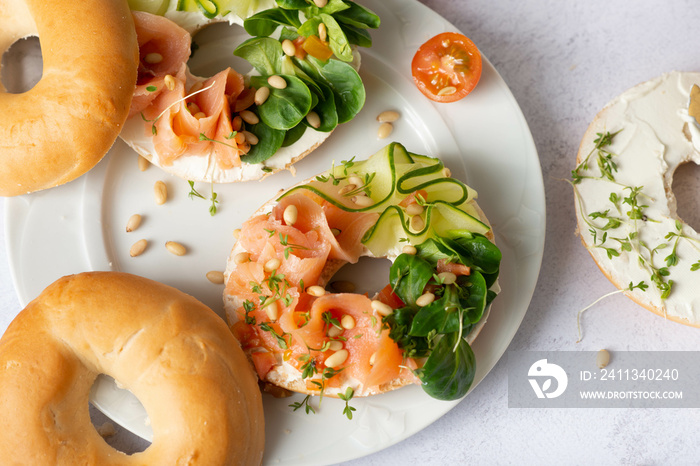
447	67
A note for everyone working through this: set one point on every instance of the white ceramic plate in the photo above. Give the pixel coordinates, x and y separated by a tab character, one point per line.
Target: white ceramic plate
484	139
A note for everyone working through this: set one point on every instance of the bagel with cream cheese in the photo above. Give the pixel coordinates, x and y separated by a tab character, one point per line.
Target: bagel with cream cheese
397	205
175	354
232	127
625	207
67	122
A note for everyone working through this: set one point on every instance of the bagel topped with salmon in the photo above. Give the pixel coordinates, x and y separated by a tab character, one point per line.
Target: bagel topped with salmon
397	205
233	127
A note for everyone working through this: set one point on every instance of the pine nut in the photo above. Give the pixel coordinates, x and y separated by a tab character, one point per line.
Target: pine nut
143	163
241	257
414	209
346	189
237	122
388	116
335	231
425	299
272	310
337	358
316	290
133	223
602	359
290	215
193	108
250	138
347	322
288	47
175	248
169	81
160	191
239	138
237	233
447	278
335	345
153	58
362	201
384	130
200	115
249	117
409	249
382	308
354	179
138	247
216	277
272	265
449	90
277	82
261	95
313	120
320	3
446	172
334	331
373	359
322	32
343	286
417	223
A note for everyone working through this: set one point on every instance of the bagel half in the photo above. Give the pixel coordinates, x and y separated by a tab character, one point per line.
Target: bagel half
627	216
67	122
285	372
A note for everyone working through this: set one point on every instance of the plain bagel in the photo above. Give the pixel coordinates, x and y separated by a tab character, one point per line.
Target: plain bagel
67	122
170	350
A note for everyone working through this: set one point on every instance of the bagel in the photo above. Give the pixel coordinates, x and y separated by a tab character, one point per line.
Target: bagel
215	129
67	122
422	220
170	350
625	207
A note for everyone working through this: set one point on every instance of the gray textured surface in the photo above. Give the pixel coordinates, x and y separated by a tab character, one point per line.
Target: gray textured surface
563	61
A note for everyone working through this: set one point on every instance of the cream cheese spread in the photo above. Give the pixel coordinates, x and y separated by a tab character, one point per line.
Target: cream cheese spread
653	135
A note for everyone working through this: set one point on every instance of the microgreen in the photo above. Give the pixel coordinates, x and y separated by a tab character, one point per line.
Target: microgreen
346	397
305	403
214	197
642	286
248	307
281	341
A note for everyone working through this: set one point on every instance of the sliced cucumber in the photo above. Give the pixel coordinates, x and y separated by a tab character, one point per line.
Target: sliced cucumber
156	7
213	8
441	217
396	174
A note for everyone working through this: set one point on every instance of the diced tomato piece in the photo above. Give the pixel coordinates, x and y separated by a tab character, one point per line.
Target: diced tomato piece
387	296
300	53
317	48
411	198
457	269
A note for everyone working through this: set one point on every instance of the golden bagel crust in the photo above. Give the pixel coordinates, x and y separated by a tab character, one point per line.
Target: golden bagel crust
65	124
170	350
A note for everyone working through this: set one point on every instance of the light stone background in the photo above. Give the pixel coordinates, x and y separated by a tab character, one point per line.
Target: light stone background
563	60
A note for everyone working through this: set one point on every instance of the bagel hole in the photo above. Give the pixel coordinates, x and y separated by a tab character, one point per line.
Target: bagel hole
212	49
368	275
126	404
686	181
22	65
